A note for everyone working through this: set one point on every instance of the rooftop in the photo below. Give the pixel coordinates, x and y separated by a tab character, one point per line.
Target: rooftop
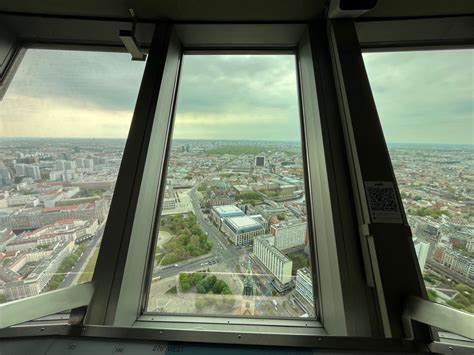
269	243
228	211
242	224
304	272
288	224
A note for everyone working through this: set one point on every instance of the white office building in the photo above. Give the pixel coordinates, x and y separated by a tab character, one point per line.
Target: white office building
421	249
218	213
288	234
35	282
29	170
241	230
304	284
272	259
65	165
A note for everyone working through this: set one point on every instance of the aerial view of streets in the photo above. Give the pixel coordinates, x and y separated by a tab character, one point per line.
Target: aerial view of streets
233	238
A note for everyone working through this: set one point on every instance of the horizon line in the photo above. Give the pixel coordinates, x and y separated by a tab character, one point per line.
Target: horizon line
219	139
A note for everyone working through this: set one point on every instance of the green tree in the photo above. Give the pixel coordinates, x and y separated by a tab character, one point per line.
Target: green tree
211	280
200	288
218	286
455	304
462	288
432	295
226	290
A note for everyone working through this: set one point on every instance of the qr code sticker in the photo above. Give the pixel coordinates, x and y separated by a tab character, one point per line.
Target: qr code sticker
382	200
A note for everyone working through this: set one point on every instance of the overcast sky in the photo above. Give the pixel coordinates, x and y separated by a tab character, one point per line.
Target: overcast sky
422	97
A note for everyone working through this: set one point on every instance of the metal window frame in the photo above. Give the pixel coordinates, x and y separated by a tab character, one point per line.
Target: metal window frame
450	32
125	305
114	249
367	149
384	36
146	106
27	309
442	33
48	307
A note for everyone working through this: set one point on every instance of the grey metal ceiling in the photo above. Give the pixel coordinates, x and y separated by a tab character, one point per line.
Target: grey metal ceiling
229	10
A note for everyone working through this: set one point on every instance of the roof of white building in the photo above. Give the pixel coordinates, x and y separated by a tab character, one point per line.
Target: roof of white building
242	224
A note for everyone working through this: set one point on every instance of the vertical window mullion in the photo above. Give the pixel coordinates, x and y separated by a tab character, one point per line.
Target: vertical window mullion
116	241
127	294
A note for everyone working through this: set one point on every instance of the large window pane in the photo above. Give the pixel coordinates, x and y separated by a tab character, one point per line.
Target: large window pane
425	103
63	126
233	237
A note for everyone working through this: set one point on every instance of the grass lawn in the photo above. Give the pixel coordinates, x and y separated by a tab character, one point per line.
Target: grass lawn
158	257
89	270
172	291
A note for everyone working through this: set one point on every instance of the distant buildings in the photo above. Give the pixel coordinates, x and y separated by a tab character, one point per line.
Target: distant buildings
260	161
37	279
29	260
169	200
6	236
41	221
5	176
38	217
28	170
65	165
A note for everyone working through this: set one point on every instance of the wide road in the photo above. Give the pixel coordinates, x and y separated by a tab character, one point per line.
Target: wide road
189	265
69	279
222	249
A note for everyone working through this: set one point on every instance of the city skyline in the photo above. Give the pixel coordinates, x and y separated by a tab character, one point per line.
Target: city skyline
228	140
227	217
263	86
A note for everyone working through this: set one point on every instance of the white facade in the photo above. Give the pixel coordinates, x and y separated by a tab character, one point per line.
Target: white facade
30	170
288	234
304	284
65	165
169	204
23	200
41	275
273	260
241	230
421	249
218	213
459	263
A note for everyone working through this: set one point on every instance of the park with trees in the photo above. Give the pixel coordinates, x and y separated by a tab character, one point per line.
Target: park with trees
188	240
213	293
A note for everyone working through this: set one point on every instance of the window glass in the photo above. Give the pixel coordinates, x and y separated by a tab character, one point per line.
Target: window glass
425	104
233	237
63	126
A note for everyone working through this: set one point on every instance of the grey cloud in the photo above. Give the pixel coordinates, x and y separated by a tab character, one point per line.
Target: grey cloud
248	97
215	83
108	80
424	96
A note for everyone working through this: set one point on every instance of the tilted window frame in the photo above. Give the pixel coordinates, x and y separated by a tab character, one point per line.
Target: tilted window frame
48	308
443	33
125	307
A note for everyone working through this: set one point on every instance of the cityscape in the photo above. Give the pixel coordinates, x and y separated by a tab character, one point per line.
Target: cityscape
436	184
233	238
